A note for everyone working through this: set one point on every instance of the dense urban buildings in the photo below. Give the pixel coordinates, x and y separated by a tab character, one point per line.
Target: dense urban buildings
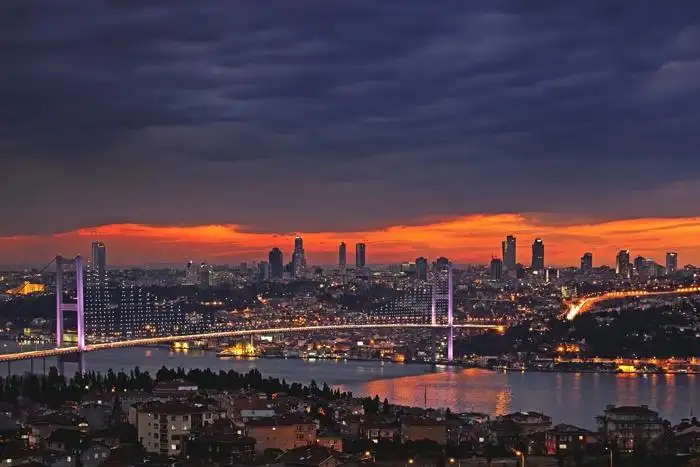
538	255
509	253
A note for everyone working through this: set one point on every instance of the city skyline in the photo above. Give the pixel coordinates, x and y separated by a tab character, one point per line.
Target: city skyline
137	245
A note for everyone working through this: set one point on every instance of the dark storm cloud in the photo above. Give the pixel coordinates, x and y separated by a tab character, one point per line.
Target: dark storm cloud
345	115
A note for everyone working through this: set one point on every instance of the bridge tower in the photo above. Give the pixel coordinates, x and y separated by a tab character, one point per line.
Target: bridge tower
78	307
442	287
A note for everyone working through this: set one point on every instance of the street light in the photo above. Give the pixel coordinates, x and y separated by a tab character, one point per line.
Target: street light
522	458
610	452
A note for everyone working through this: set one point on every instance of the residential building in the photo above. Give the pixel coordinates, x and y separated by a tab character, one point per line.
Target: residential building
281	433
417	429
629	426
563	440
163	427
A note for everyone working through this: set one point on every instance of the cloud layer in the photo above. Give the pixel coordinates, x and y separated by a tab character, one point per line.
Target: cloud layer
345	116
470	239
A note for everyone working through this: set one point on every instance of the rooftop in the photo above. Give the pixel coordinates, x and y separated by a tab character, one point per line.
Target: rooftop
306	456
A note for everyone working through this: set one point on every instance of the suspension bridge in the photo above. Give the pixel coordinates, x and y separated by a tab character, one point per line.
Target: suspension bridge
442	294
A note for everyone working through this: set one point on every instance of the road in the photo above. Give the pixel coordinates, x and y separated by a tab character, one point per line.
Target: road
586	304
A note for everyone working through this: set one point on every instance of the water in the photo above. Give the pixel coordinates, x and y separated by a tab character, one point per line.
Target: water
574	398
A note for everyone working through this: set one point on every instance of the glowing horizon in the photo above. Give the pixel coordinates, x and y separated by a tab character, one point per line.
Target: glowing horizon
466	239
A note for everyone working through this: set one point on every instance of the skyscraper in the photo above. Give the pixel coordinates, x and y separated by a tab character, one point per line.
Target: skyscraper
276	261
99	256
342	258
422	269
586	262
360	258
100	317
538	255
671	262
299	257
509	252
496	273
622	263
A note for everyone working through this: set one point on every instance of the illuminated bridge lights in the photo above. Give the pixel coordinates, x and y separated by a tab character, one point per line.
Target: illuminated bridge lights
224	334
586	304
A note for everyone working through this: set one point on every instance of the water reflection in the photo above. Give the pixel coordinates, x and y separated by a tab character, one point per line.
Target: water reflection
570	398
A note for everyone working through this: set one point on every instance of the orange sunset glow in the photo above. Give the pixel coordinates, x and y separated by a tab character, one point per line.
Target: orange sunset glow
469	239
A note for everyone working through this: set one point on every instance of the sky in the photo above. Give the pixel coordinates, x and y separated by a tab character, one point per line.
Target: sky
215	130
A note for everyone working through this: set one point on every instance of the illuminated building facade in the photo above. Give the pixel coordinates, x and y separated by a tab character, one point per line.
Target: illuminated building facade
142	314
101	318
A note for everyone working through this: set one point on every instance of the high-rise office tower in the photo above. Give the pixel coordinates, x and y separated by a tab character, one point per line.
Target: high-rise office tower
671	262
538	255
509	252
299	257
496	269
422	269
360	258
622	263
586	262
276	261
100	316
342	258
